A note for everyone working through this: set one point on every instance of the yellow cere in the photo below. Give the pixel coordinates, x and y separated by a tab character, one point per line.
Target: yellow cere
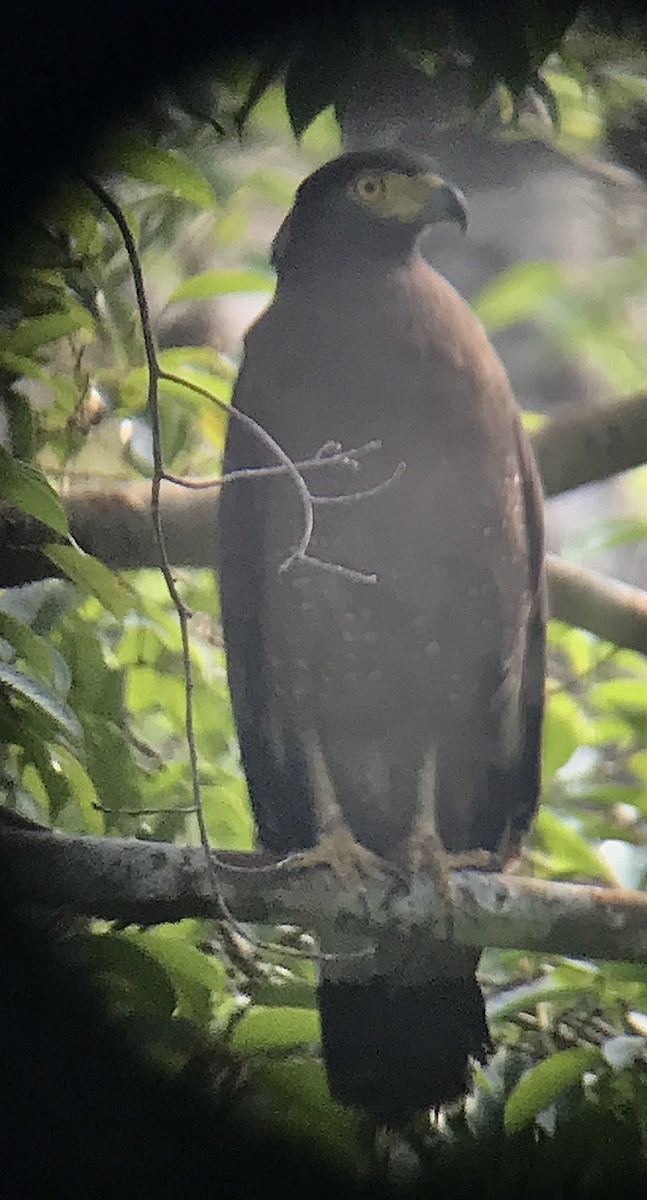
394	195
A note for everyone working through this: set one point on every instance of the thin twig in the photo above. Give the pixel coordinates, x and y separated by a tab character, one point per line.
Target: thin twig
155	374
231	929
351	497
308	560
264	437
300	552
341	457
146	812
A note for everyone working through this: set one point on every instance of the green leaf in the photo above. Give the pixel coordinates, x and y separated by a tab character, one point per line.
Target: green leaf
565	728
581	649
263	77
229	821
322	139
630	662
317	72
171	1044
543	1083
219	390
46	782
176	358
527	996
41	605
262	1027
534	421
294	993
24	485
605	730
86	818
19	364
294	1098
605	535
135	982
276	186
142	640
28	646
148	688
41	698
97	688
73	208
609	793
638	764
110	761
182	959
627	696
34	332
211	372
221	283
167	168
196	976
24	422
94	577
518	293
570	854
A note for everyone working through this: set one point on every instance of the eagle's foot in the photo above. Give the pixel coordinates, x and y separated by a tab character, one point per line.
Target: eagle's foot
426	853
483	860
472	860
427	856
351	863
336	847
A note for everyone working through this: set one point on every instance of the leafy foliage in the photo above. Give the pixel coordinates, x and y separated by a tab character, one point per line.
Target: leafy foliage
92	693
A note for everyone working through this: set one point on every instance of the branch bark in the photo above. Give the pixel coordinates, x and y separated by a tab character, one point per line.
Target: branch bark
614	611
581	445
137	882
116	527
586	443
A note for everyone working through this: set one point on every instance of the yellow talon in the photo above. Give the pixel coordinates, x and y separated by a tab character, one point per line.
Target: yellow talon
350	862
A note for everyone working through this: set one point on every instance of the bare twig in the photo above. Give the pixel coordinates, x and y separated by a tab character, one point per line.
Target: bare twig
232	933
320	564
324	457
154	376
115	527
351	497
185	809
267	440
308	501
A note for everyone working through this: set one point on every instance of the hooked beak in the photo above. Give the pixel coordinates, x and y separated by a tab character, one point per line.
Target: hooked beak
446	203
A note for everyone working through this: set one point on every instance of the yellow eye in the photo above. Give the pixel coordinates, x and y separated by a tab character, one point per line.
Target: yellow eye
370	188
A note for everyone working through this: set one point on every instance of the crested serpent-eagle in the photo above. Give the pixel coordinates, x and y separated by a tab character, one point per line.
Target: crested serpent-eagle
378	718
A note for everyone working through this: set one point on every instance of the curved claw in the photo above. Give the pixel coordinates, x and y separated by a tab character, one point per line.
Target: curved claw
350	862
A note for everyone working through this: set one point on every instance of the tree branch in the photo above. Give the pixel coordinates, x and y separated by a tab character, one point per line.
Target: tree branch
138	882
586	443
581	445
614	611
115	526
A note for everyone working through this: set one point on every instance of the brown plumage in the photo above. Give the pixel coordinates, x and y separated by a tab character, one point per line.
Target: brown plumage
441	661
